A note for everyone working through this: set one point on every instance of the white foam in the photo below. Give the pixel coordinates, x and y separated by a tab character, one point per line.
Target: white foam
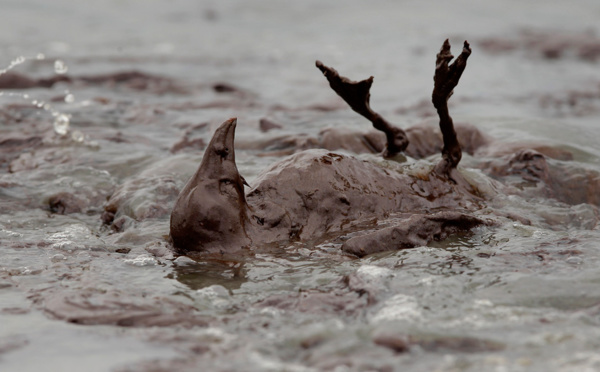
399	307
142	260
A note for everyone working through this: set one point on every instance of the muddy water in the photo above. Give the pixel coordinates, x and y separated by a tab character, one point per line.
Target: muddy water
77	294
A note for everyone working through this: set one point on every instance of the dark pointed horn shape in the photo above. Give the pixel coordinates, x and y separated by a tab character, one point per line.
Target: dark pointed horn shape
210	212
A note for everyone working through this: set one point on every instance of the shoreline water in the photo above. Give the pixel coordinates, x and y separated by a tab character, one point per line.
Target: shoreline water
75	293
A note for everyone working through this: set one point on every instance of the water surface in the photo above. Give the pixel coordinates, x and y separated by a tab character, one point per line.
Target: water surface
76	294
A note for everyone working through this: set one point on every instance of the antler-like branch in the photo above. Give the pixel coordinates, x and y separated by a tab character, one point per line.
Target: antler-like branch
357	95
445	80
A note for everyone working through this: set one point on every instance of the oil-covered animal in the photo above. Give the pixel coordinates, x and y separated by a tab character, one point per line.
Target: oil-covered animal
317	193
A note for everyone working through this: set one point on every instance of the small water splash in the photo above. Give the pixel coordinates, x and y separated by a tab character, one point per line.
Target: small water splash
20	60
60	67
38	104
61	120
74	237
14	63
59	257
399	307
77	136
142	260
215	296
61	124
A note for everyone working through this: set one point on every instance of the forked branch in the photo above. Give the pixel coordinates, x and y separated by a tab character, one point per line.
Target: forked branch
445	80
357	95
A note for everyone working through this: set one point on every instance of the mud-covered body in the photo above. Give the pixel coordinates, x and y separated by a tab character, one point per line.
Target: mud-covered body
316	192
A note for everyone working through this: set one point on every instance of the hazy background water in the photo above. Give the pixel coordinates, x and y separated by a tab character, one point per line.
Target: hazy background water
526	295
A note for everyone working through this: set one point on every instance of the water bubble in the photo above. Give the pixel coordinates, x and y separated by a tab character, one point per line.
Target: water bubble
61	124
58	258
40	56
142	260
77	136
69	98
60	67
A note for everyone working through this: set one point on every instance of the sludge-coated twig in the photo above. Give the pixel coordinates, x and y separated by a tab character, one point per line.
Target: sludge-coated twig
357	95
445	80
